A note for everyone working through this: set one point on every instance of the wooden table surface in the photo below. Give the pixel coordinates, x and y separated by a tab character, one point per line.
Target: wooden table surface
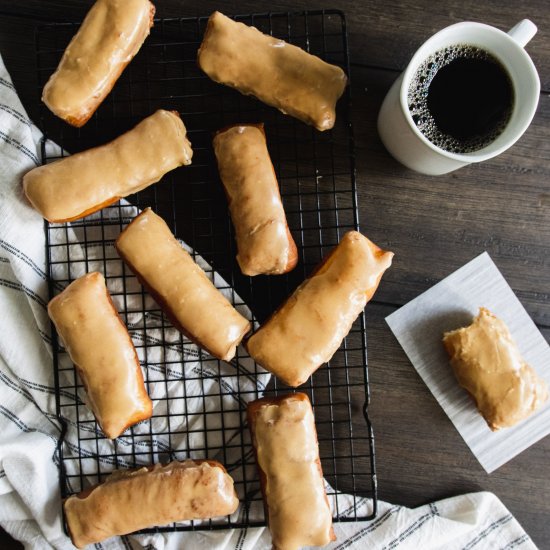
433	224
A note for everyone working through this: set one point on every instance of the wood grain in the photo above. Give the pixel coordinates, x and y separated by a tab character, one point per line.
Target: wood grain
433	224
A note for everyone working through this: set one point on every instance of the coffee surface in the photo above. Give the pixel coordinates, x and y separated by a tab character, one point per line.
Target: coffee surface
461	98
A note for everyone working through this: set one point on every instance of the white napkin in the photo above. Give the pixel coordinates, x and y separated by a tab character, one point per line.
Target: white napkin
30	508
451	304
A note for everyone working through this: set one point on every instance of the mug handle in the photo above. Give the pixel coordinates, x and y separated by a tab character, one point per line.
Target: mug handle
522	32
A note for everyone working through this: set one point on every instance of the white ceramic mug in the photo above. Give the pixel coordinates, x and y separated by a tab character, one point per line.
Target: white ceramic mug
406	142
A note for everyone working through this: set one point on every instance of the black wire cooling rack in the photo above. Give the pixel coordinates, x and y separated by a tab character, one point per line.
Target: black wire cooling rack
200	402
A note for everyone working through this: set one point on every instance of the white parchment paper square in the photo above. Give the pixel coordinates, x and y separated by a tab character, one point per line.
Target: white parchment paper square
450	304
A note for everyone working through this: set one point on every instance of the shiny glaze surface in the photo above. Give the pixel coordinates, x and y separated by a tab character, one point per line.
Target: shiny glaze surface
131	500
308	329
78	185
286	446
263	241
102	350
180	286
279	74
487	363
109	37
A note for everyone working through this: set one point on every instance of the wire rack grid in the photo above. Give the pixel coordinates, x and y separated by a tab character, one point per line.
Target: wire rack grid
200	402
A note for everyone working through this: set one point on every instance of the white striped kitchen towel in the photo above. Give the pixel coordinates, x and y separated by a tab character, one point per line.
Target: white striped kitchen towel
29	494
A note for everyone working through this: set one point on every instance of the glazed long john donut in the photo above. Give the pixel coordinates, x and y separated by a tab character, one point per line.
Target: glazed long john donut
86	182
131	500
110	36
287	454
279	74
310	326
487	363
185	293
264	242
102	350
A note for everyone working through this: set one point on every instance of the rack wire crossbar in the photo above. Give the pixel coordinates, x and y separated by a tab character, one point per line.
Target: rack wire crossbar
200	402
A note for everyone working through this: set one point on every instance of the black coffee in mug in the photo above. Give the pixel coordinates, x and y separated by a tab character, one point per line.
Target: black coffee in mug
461	98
